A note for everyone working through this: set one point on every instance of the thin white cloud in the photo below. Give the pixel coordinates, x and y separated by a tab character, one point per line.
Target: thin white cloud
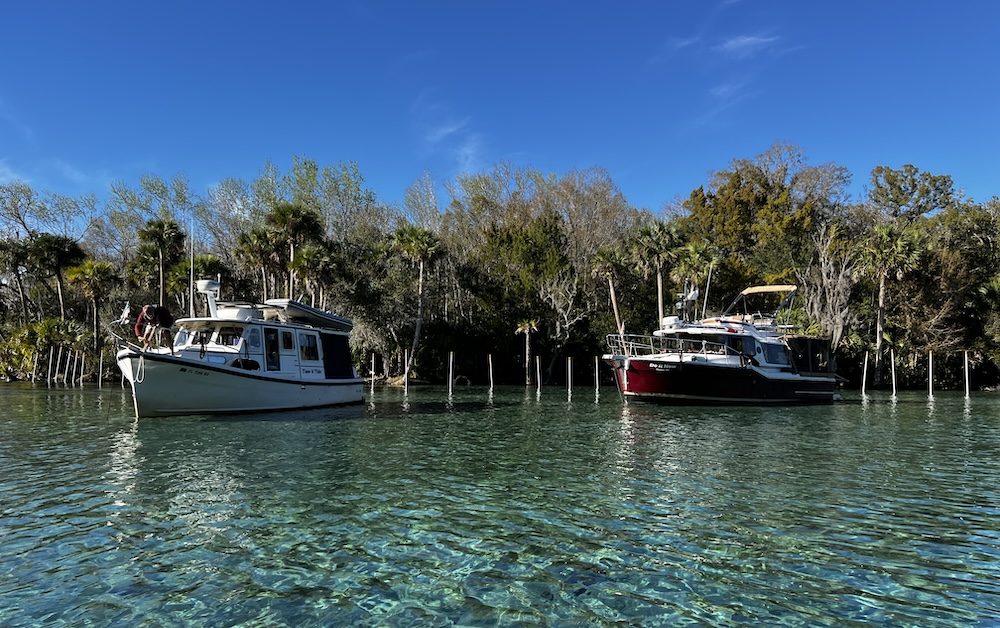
444	130
441	132
468	154
8	175
729	91
745	45
70	172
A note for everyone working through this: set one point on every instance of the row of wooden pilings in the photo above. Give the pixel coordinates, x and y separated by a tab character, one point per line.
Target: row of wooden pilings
69	371
489	359
930	372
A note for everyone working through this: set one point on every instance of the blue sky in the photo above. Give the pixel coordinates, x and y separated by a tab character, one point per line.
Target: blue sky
659	94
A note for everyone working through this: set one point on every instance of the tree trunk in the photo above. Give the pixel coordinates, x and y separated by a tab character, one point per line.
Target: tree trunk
97	327
21	295
62	307
614	306
291	271
880	328
420	317
163	281
659	296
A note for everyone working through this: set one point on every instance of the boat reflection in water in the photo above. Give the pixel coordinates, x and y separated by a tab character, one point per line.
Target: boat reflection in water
748	355
243	357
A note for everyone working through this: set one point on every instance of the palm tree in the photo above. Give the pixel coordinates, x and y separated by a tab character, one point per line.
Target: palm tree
52	255
605	262
95	278
294	224
887	251
257	248
419	246
527	327
310	263
654	247
167	237
694	261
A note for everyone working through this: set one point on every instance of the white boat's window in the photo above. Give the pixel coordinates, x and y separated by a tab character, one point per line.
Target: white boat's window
287	340
229	336
254	338
308	347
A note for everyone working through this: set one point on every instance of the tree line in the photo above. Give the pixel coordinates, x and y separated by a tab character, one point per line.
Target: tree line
516	263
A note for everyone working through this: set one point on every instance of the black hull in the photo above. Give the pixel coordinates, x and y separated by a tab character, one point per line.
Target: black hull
703	383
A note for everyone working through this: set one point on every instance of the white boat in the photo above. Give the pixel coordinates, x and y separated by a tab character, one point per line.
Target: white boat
244	357
748	355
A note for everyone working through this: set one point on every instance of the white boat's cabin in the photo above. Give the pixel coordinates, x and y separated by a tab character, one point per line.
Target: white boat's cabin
272	349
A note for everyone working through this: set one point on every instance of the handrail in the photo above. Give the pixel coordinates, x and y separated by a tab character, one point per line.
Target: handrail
640	345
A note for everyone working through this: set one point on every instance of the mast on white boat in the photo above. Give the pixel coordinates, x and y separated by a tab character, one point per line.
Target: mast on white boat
210	288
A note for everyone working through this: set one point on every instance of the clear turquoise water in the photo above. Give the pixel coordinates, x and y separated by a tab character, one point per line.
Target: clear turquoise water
505	510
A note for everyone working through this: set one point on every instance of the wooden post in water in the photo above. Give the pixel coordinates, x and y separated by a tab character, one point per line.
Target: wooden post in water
34	366
55	374
966	373
451	371
83	366
864	374
538	372
930	373
100	371
406	371
489	358
597	379
569	375
69	356
892	365
373	373
48	371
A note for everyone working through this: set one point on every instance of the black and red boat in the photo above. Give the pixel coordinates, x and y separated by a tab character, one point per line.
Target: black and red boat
747	356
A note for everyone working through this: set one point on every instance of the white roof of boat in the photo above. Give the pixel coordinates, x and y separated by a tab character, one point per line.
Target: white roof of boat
284	310
302	313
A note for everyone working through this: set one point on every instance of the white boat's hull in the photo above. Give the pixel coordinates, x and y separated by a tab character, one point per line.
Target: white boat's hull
164	385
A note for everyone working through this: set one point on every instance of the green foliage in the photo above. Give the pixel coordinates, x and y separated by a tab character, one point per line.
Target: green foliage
517	261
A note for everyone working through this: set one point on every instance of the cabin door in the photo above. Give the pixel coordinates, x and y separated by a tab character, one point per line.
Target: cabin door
271	349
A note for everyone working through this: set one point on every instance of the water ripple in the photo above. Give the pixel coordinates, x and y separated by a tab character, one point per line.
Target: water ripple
520	512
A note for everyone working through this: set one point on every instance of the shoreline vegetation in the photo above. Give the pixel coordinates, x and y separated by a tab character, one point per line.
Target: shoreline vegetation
515	270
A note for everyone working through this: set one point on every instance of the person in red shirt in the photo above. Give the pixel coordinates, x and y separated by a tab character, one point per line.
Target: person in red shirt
153	319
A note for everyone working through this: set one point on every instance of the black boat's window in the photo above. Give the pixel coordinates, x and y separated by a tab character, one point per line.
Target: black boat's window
775	354
287	341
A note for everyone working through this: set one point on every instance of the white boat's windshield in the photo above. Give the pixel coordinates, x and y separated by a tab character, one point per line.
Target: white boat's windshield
206	334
